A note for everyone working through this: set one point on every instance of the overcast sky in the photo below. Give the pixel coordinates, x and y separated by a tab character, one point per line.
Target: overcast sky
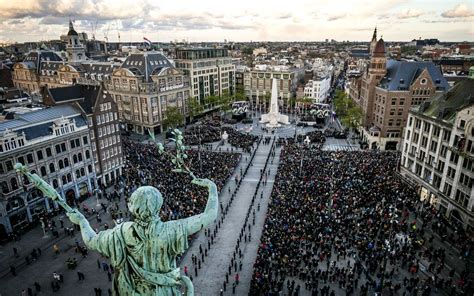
238	20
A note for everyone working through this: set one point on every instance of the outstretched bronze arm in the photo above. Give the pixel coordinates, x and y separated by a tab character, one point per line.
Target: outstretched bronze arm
43	186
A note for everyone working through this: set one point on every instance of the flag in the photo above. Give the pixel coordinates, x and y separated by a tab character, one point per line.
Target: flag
147	41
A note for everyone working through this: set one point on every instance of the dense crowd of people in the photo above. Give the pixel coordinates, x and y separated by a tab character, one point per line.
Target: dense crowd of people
241	140
316	137
342	223
210	131
181	199
202	133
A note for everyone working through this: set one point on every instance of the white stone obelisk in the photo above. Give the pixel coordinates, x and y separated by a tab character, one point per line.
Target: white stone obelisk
273	118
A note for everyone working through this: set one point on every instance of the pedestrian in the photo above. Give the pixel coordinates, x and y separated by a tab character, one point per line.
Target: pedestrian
56	249
13	270
37	287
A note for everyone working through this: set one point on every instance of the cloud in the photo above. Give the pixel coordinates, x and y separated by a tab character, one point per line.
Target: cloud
285	16
76	9
410	13
336	17
461	10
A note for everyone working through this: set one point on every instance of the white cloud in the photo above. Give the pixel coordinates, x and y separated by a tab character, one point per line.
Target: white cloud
461	10
410	13
210	20
336	17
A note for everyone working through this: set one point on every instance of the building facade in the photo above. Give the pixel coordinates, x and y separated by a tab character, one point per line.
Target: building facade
387	90
26	74
210	71
98	106
318	89
55	144
143	87
438	152
258	85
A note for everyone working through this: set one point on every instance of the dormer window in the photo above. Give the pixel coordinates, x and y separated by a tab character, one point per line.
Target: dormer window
11	140
63	126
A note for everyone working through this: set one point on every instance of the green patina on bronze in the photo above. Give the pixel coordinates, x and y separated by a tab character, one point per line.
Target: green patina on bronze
143	252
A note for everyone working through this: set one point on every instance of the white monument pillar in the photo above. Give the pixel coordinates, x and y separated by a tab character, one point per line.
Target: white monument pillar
273	118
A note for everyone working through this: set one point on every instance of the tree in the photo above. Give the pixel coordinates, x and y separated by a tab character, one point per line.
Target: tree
352	118
247	50
225	101
240	94
304	101
342	103
211	101
347	110
195	108
173	117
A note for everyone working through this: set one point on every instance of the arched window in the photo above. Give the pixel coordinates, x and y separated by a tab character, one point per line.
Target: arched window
43	171
78	174
25	180
15	203
80	156
61	164
52	169
69	177
74	158
14	183
88	154
4	187
66	162
33	194
55	183
64	179
89	168
83	172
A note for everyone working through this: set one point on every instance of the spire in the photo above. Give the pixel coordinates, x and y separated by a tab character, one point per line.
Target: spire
71	27
374	36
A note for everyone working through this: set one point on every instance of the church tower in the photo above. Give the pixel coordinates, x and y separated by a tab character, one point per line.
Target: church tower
76	52
378	62
373	42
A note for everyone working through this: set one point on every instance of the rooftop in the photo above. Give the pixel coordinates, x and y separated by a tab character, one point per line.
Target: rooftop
401	74
444	107
36	124
146	63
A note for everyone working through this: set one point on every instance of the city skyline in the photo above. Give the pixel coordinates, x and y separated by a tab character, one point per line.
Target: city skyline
396	20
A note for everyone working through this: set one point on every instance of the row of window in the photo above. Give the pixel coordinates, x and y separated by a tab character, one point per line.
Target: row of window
12	143
40	154
460	196
106	117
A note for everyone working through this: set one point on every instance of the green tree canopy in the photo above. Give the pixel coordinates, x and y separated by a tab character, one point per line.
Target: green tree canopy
173	117
195	108
347	110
